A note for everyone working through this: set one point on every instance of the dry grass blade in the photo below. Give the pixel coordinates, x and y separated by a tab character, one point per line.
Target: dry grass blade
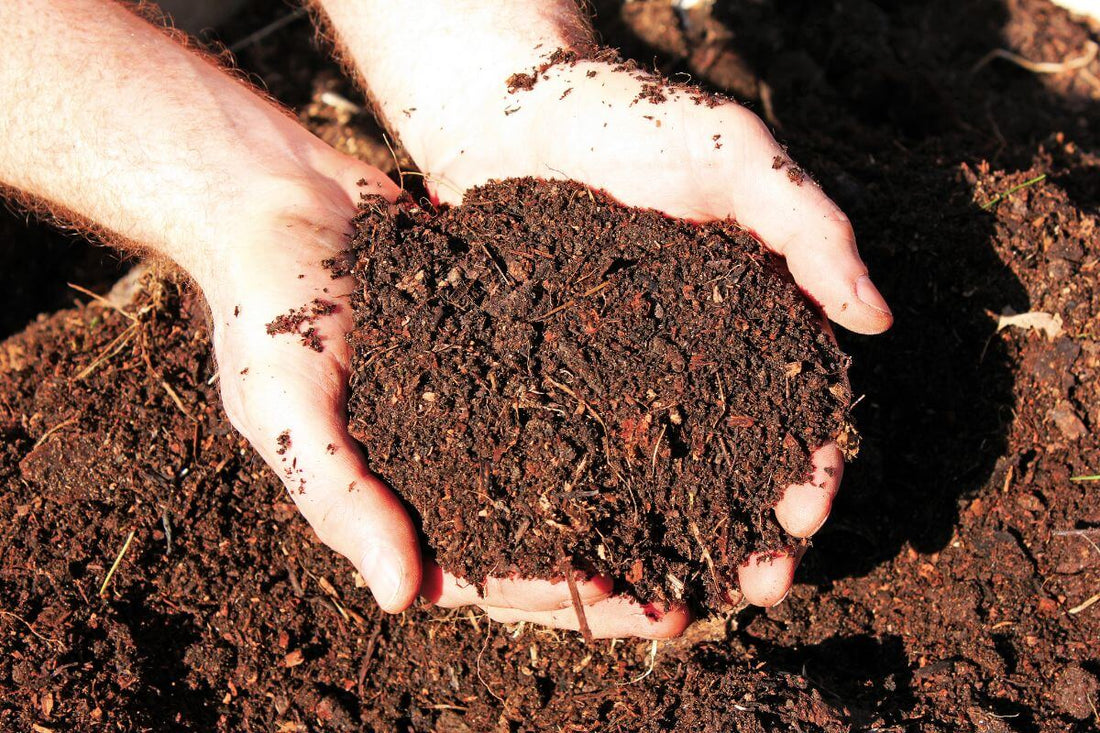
1078	479
1040	67
116	563
101	300
46	435
52	642
116	345
1086	604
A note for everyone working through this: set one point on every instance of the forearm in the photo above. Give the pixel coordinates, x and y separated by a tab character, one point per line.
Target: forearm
112	121
465	51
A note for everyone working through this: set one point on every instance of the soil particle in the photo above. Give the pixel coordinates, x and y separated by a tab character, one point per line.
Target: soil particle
1067	421
299	321
283	441
615	380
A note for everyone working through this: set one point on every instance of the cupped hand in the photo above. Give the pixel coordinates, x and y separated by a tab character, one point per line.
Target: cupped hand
650	144
280	321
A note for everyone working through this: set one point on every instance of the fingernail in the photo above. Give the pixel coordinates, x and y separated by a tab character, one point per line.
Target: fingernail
385	574
782	599
870	296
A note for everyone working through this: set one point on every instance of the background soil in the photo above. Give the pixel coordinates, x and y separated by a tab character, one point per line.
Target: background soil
944	593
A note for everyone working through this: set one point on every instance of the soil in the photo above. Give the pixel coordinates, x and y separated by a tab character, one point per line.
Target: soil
554	378
948	592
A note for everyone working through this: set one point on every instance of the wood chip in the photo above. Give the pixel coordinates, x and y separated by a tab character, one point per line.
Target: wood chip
1050	324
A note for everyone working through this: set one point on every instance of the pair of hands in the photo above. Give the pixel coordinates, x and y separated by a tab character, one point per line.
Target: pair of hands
686	159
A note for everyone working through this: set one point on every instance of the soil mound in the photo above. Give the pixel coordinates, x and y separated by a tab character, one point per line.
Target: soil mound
543	372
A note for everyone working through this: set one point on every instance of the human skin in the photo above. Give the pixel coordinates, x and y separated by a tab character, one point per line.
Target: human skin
158	149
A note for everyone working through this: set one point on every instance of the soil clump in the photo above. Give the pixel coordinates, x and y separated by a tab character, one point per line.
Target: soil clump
543	372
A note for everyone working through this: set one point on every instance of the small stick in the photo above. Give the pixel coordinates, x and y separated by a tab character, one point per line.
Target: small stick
115	564
499	269
657	447
582	620
176	399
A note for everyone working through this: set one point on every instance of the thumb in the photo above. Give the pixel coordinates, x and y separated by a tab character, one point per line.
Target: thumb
355	513
791	214
300	434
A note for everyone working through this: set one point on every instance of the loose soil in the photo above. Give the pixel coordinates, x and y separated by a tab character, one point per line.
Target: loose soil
948	592
545	374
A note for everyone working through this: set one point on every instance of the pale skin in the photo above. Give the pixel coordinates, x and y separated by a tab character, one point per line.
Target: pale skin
110	122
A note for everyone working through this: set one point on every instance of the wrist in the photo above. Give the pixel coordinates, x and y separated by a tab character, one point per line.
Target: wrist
286	213
457	87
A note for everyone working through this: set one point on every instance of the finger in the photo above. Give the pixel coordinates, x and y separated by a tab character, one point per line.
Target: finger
296	423
804	507
765	580
611	618
444	589
792	215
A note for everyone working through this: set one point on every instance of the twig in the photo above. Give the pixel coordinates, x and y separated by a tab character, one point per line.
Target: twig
1002	196
657	447
499	269
706	556
1040	67
582	620
176	399
267	30
115	564
167	524
573	301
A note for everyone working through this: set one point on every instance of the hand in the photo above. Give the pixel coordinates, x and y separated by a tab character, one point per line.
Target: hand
286	393
592	123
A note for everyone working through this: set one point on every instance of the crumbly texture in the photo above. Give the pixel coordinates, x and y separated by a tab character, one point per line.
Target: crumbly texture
546	374
937	597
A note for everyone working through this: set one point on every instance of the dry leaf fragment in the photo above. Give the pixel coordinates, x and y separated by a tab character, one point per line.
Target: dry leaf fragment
293	659
1032	320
